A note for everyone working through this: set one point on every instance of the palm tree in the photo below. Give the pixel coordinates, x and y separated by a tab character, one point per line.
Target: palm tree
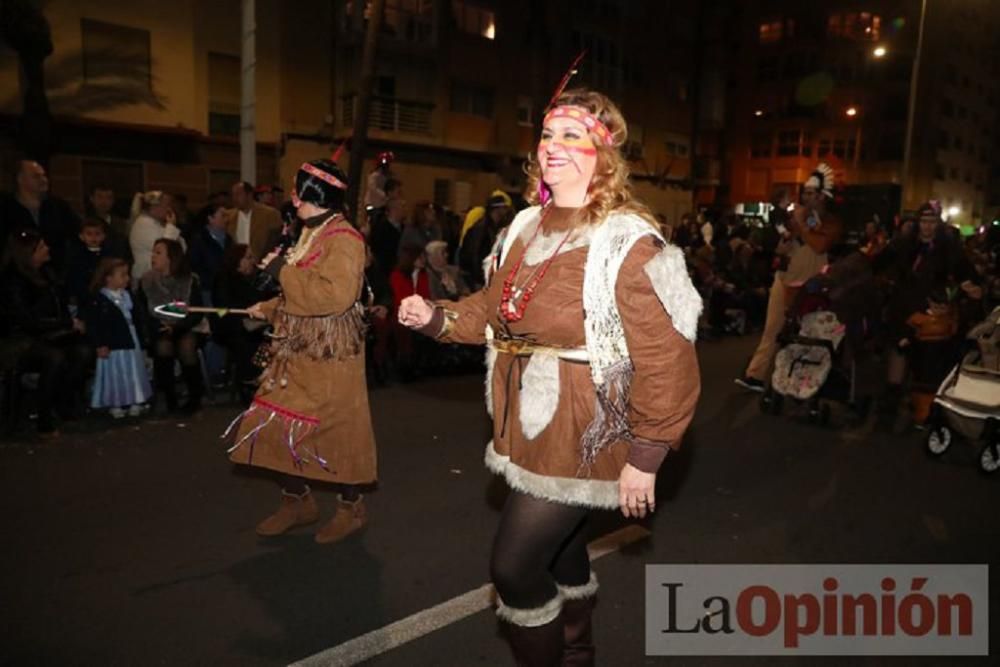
25	29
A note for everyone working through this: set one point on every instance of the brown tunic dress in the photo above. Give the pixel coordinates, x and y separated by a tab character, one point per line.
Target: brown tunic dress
310	416
664	389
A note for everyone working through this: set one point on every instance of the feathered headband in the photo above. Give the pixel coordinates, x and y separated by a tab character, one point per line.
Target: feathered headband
589	120
821	179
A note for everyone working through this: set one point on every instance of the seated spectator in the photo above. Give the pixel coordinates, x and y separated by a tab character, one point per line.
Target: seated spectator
208	247
235	288
446	280
100	205
121	382
153	219
50	340
169	280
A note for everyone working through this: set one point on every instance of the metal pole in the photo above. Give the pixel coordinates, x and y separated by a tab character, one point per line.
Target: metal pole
361	110
911	113
248	108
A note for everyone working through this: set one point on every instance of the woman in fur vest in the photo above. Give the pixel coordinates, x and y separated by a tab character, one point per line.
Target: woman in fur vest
309	419
585	409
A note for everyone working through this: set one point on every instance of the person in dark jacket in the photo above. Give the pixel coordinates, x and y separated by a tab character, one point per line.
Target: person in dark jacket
34	308
208	248
479	240
386	231
170	280
121	383
82	256
235	288
33	208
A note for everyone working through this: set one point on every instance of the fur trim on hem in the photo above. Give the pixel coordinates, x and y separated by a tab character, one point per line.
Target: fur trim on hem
598	494
587	590
531	618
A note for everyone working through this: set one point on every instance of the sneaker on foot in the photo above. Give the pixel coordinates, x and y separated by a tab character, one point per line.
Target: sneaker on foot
136	410
753	384
116	413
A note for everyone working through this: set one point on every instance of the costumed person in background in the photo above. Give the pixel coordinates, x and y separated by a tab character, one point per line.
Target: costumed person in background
310	419
479	233
812	231
375	194
585	409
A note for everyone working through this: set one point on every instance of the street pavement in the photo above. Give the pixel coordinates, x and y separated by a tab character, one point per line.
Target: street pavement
133	544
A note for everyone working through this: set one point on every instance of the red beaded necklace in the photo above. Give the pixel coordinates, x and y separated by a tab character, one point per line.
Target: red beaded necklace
514	301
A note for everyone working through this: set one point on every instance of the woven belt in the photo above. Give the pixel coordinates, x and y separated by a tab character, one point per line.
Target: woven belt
521	348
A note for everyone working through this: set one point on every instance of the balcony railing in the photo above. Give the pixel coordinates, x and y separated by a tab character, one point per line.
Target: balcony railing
391	114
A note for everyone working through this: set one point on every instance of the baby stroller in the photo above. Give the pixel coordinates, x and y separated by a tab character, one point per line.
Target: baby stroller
816	364
967	403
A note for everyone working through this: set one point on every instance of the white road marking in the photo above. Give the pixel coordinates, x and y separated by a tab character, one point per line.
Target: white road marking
424	622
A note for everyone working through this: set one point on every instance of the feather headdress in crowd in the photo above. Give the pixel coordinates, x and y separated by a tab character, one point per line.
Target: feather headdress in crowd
821	179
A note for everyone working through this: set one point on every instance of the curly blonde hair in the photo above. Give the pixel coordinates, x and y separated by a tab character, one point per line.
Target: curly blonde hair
609	190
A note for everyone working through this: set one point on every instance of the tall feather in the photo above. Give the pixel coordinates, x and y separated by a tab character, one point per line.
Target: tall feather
565	80
340	149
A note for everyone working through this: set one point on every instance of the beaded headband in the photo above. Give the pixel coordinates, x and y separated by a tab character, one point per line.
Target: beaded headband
322	175
589	120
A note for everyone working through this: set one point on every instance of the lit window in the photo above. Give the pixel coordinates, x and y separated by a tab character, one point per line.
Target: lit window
855	25
474	19
770	32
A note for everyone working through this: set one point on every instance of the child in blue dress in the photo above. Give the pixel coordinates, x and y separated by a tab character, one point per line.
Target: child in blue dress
121	383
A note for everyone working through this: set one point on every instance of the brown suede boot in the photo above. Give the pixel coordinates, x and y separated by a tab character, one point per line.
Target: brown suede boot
294	511
535	635
578	635
349	518
539	646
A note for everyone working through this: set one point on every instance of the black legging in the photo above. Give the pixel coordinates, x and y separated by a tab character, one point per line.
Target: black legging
538	544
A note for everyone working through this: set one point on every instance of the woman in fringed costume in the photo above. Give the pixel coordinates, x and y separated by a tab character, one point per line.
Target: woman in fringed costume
585	409
310	419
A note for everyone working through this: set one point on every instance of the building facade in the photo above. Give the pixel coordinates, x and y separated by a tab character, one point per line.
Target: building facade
832	82
147	95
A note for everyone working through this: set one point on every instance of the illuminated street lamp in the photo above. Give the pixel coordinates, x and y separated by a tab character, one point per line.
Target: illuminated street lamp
851	112
758	113
953	211
879	52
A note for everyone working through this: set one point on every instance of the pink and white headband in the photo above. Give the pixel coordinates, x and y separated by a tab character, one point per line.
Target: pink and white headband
589	120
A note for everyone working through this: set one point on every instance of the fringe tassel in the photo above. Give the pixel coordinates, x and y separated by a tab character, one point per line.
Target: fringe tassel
610	412
327	337
294	433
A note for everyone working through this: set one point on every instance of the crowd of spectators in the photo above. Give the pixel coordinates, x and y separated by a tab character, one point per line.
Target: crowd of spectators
78	318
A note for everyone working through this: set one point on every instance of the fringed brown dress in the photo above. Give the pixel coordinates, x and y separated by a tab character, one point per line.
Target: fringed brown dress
310	417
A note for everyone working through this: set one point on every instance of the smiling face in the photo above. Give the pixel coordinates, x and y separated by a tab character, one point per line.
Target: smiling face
567	155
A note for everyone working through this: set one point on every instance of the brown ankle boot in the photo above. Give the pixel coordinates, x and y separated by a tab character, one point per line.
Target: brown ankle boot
295	510
349	518
578	635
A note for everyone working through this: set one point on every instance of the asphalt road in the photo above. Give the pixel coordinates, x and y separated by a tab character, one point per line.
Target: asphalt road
133	544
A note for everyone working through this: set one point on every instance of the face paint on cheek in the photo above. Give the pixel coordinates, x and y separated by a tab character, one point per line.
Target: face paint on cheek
582	146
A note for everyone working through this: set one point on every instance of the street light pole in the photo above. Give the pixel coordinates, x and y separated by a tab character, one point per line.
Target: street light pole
248	95
911	112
